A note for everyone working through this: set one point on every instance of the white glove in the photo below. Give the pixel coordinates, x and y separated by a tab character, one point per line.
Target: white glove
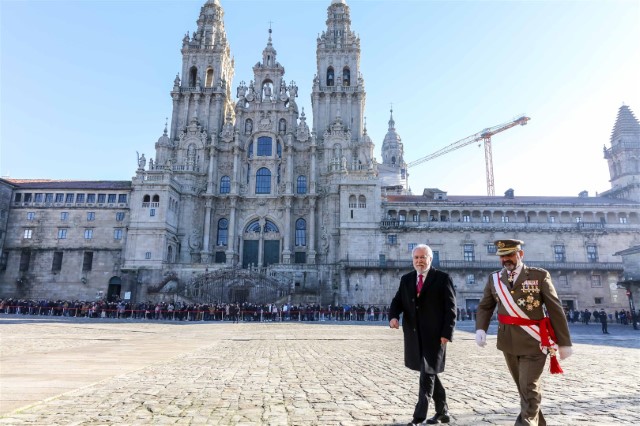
481	338
565	352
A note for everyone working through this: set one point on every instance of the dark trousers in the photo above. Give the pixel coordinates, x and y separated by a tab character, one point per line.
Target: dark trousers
526	371
430	387
604	327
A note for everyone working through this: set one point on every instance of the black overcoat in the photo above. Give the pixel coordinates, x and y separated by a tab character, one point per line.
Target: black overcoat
425	319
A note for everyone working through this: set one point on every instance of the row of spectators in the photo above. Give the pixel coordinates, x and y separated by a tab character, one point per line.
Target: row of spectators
180	311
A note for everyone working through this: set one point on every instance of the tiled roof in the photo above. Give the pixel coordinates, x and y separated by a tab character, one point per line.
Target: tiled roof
69	184
630	250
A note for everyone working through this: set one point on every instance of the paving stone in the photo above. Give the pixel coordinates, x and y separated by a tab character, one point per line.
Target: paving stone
92	372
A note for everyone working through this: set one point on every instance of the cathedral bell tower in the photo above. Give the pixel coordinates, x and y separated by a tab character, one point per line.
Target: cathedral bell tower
624	157
338	87
204	92
171	223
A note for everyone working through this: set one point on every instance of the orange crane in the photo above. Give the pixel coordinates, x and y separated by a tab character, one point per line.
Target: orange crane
485	136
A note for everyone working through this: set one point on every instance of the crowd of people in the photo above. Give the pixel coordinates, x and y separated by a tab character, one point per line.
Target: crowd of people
599	316
180	311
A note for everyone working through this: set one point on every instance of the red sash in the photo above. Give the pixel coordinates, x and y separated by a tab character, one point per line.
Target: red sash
546	331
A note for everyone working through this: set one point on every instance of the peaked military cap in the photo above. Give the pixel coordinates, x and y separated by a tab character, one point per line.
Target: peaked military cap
506	247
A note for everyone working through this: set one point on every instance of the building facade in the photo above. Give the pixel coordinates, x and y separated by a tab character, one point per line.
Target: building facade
246	201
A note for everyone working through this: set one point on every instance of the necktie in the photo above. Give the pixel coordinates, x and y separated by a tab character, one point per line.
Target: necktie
420	283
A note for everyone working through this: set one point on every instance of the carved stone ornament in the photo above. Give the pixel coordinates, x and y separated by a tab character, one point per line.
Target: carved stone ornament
265	121
227	130
195	240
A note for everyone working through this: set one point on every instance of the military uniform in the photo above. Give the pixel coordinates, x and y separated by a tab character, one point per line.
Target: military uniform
531	290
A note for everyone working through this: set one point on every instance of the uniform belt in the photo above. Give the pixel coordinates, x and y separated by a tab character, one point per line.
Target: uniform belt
546	332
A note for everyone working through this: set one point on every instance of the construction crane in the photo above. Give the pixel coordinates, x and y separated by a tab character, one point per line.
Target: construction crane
485	136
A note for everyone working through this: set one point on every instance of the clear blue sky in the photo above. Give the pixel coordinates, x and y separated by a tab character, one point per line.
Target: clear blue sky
85	84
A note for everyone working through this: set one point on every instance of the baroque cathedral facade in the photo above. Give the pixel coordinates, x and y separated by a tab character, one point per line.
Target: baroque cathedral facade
244	201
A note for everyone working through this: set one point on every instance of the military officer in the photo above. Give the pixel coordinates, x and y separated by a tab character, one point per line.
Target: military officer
525	334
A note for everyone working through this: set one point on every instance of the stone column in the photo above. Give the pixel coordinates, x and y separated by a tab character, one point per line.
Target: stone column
231	243
174	115
286	252
312	231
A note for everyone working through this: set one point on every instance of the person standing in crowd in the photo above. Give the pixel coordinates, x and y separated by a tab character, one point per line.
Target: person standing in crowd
603	320
426	299
525	334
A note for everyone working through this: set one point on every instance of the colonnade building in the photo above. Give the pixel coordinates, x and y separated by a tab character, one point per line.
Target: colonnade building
245	201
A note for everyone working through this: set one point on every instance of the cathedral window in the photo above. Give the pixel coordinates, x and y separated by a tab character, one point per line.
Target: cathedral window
353	203
91	198
170	254
223	232
156	198
264	146
87	261
60	197
88	234
80	198
301	232
263	181
250	150
279	150
559	253
248	173
362	202
193	75
25	259
146	199
592	253
346	77
253	227
301	185
270	227
69	198
225	185
469	255
208	82
330	76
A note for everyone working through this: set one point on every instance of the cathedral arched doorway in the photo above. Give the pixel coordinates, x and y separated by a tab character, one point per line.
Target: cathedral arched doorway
261	244
114	289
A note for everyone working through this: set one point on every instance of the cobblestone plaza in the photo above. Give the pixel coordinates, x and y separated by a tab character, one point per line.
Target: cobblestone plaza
100	371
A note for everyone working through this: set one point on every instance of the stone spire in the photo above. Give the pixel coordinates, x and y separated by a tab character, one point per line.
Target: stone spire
392	147
623	157
626	129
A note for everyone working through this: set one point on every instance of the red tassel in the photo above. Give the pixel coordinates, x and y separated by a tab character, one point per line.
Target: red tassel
554	366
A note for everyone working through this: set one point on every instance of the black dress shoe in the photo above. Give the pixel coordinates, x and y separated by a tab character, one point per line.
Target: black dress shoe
442	418
415	422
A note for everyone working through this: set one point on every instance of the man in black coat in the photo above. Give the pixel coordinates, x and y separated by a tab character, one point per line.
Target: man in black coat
427	300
